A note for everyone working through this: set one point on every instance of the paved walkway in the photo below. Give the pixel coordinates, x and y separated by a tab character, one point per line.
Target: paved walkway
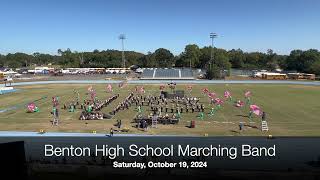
68	134
314	83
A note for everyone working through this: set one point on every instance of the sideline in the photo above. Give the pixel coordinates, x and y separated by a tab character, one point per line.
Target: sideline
313	83
70	134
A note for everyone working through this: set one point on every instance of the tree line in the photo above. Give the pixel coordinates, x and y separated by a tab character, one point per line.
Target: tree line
193	56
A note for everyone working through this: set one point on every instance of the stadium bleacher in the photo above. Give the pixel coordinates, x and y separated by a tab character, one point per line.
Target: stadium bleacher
148	72
167	73
186	73
170	73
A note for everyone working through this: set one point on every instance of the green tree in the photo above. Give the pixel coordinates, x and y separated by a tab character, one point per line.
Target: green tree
253	60
205	56
163	58
221	59
60	52
302	61
2	58
191	56
147	60
315	67
213	72
237	58
271	60
308	59
292	62
17	60
219	65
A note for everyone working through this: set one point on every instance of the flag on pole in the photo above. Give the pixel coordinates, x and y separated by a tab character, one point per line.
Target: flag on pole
239	104
31	107
141	90
109	88
256	109
218	101
93	95
227	94
162	87
247	94
205	90
212	95
55	101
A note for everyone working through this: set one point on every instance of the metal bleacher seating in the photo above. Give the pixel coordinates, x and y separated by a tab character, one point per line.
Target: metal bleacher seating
148	73
186	73
167	73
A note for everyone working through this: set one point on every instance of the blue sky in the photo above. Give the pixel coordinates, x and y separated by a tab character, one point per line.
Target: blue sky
84	25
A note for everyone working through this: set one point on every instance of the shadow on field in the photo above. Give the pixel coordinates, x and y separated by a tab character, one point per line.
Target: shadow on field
234	131
248	125
240	115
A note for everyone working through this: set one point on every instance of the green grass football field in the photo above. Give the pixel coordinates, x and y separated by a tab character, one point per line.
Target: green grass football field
292	110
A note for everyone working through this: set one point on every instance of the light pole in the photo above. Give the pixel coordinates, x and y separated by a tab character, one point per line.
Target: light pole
212	36
122	37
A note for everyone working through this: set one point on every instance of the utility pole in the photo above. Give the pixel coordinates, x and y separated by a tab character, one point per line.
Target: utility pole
212	36
122	37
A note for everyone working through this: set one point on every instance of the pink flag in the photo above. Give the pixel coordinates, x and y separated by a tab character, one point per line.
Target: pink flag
247	94
92	92
55	101
31	107
141	90
162	87
239	104
227	94
205	90
93	95
256	110
109	88
212	95
218	101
